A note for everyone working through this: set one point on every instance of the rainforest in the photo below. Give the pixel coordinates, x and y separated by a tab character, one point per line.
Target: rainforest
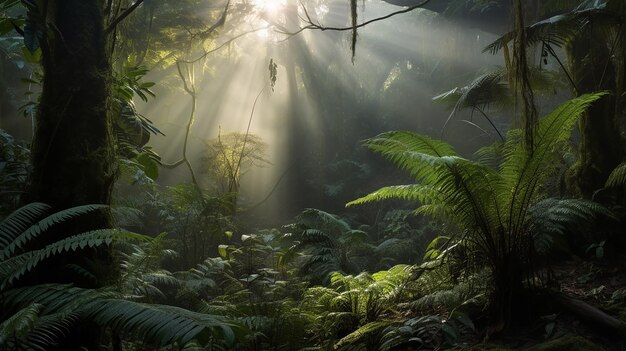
299	175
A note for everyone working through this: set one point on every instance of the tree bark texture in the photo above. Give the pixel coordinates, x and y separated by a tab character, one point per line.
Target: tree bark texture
72	152
600	149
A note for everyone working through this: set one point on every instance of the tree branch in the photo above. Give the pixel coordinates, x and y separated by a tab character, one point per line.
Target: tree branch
318	26
121	17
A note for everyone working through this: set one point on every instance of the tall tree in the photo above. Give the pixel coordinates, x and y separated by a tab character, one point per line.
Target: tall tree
72	152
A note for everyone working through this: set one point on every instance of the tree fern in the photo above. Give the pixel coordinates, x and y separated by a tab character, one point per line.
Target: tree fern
524	174
491	207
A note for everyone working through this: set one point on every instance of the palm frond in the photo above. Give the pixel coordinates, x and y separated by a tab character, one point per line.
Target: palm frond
55	298
558	30
48	332
487	89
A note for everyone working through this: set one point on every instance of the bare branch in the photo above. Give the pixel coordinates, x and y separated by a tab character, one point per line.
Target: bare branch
317	26
207	53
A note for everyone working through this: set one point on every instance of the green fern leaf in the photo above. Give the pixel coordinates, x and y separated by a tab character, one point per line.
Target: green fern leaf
15	224
524	173
158	324
20	324
617	177
17	266
556	217
362	335
33	231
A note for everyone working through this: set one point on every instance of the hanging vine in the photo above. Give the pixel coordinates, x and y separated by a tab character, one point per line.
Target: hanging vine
522	81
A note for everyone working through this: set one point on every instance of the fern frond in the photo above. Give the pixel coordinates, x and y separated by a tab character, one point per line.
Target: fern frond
15	224
36	229
414	333
364	334
617	176
49	330
161	277
394	144
156	324
487	89
523	173
20	324
324	221
554	217
448	184
310	236
554	31
17	266
55	298
558	30
411	192
159	324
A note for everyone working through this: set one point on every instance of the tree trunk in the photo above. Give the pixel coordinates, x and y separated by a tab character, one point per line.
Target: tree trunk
600	149
72	152
73	155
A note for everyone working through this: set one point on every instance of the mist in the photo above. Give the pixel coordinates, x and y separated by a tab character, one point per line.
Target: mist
324	101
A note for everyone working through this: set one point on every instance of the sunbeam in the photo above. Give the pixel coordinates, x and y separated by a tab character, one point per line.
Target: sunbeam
320	94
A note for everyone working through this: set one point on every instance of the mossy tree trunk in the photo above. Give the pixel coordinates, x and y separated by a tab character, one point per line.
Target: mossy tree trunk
72	151
594	68
73	154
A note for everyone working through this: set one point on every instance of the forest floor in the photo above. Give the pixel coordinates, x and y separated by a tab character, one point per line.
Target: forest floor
598	283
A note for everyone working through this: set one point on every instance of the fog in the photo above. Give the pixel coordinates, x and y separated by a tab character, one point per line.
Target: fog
324	101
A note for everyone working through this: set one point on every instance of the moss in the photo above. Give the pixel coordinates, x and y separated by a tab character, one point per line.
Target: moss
567	343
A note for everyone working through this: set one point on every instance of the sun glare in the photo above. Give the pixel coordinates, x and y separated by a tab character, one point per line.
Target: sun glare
270	7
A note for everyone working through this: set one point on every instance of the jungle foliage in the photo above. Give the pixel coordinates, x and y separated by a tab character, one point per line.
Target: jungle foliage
472	250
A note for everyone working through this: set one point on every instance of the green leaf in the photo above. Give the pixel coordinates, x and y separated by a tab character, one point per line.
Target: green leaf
149	165
222	249
32	56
